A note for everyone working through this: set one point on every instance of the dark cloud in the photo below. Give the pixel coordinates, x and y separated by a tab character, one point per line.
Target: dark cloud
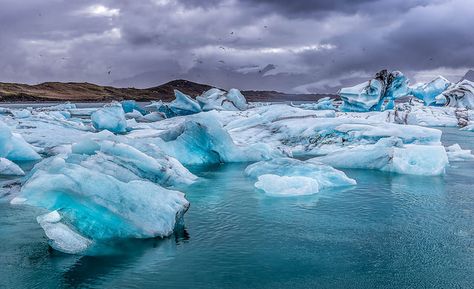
249	44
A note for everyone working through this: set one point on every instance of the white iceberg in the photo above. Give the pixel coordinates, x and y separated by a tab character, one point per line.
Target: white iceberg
456	153
287	176
111	118
216	99
390	154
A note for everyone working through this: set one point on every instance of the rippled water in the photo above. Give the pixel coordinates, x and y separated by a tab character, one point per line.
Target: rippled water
390	231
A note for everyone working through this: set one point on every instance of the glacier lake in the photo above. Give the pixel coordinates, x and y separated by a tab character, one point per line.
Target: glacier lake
389	231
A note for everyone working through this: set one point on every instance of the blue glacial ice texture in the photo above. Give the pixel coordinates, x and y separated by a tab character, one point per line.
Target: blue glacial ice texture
203	140
14	147
111	118
430	90
88	207
371	95
183	104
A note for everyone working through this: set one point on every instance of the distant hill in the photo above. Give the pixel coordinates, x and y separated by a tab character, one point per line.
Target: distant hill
73	91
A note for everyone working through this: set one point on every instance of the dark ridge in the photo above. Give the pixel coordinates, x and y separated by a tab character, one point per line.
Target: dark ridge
89	92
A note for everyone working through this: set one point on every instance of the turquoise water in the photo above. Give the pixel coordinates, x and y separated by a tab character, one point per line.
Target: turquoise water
390	231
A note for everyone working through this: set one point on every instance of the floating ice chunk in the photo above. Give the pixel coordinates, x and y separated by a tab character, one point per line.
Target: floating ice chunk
456	153
62	106
362	97
390	154
131	105
202	140
287	186
286	176
133	115
14	147
152	117
9	168
111	118
371	95
99	207
325	103
21	113
61	237
183	104
216	99
428	91
237	99
459	95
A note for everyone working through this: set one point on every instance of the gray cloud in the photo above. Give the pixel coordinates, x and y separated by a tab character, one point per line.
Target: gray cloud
311	45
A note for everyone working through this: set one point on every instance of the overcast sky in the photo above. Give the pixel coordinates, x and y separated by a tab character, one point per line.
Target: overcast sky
302	46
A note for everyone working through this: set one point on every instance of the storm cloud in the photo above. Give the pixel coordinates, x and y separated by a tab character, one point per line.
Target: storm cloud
303	46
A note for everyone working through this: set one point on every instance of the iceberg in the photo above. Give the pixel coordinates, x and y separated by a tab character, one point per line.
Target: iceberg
390	154
183	104
289	177
456	153
88	207
14	148
325	103
131	105
460	95
201	139
21	113
9	168
371	94
111	118
428	91
216	99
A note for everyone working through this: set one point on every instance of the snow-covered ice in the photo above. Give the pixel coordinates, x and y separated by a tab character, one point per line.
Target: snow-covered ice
288	177
456	153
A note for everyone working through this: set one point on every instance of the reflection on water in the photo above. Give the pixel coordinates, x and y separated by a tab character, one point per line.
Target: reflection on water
389	231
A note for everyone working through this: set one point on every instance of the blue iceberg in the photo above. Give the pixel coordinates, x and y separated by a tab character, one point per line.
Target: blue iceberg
111	118
89	207
290	177
430	90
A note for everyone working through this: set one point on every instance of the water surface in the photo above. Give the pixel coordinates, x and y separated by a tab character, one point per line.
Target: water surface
390	231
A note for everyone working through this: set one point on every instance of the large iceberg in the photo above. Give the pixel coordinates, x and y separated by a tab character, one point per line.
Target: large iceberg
430	90
111	118
183	104
289	177
390	154
201	139
89	207
121	160
460	95
14	147
371	94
